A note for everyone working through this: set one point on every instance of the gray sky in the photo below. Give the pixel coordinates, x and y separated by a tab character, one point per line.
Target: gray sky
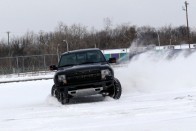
20	16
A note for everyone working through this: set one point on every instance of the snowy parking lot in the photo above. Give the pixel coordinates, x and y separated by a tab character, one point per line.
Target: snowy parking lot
158	94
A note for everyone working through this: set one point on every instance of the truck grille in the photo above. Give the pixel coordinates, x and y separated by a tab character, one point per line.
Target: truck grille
84	76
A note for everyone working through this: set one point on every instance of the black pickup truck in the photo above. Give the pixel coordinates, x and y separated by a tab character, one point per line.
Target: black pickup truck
84	72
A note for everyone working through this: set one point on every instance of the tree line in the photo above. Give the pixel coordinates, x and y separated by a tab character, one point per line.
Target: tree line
78	36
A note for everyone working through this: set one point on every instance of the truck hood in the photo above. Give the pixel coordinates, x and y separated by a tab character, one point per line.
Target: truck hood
76	68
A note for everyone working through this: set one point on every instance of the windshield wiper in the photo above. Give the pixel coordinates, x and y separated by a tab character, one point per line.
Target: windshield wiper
88	62
67	65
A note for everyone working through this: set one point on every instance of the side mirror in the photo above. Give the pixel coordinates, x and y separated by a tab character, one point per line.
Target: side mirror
53	67
112	60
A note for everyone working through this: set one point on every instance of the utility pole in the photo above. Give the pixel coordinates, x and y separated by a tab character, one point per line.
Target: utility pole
187	21
8	41
58	51
158	38
67	44
8	38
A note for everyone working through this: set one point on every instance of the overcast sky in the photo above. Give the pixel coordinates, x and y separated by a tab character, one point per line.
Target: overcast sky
20	16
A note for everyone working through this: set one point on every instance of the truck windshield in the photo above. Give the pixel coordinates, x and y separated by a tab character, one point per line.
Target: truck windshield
78	58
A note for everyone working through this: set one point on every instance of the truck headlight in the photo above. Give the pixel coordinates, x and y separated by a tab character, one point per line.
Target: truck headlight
105	73
62	78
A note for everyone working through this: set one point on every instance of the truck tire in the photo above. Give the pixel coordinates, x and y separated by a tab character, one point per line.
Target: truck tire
63	99
117	89
53	90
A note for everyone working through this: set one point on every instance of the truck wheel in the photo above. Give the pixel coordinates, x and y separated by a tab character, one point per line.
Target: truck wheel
63	99
58	95
53	90
117	89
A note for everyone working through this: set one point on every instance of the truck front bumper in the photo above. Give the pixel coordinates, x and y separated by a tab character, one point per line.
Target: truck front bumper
88	89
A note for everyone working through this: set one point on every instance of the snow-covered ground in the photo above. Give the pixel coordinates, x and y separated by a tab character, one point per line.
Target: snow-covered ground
159	94
26	76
